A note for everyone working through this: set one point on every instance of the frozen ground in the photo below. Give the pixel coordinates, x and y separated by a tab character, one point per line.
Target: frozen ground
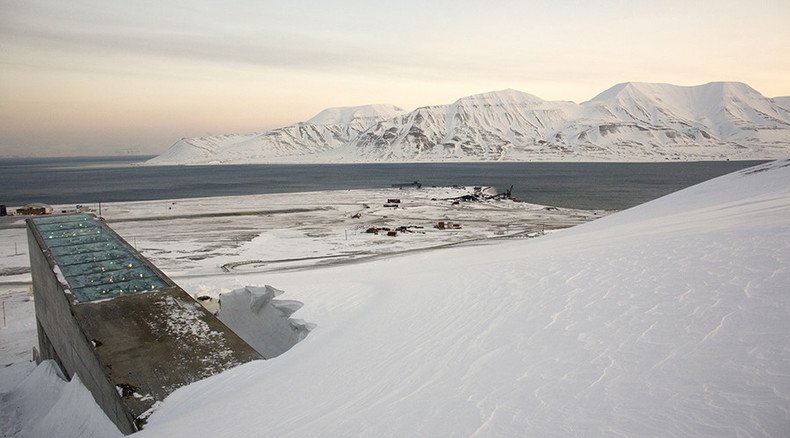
241	234
230	238
669	319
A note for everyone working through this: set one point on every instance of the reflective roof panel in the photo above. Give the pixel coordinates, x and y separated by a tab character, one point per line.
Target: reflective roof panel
96	264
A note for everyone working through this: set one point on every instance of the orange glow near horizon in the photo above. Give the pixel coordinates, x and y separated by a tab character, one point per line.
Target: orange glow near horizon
123	79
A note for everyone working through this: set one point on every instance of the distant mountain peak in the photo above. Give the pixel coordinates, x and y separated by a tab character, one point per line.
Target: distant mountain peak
339	115
507	95
652	90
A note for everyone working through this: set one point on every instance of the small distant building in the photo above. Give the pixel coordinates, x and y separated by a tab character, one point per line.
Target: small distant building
79	208
34	209
442	225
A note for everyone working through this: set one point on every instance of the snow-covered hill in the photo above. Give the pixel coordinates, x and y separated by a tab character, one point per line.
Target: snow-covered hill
490	126
327	130
669	319
628	122
714	121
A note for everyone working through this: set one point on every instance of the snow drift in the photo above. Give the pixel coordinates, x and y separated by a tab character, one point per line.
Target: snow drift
44	404
263	322
628	122
669	319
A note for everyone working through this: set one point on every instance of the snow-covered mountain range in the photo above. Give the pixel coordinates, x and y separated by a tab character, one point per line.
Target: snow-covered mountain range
329	129
628	122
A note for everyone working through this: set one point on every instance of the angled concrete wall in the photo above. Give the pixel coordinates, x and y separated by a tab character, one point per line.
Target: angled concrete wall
62	339
130	350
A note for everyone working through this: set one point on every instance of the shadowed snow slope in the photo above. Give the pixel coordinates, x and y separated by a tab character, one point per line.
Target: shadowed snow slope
783	101
263	322
326	130
45	405
670	319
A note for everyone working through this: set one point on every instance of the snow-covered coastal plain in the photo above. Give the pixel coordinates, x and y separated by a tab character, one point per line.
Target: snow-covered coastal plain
259	233
668	319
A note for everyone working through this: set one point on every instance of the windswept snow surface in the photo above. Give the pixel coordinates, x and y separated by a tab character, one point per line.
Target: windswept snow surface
46	405
669	319
631	121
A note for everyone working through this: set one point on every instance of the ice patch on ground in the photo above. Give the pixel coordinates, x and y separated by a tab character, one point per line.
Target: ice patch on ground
263	322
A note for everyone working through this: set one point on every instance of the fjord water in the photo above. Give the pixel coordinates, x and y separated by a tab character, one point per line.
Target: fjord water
579	185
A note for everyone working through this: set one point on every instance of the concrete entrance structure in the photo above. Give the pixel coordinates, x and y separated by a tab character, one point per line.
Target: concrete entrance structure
107	314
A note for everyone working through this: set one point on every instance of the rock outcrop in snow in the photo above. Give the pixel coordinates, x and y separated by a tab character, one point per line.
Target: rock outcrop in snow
627	122
719	120
489	126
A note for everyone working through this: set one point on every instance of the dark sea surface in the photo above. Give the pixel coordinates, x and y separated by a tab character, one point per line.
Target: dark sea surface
85	180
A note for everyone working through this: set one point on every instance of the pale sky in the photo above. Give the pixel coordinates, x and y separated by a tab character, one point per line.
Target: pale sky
116	77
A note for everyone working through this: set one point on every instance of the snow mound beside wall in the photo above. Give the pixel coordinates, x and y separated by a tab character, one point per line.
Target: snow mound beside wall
46	405
263	322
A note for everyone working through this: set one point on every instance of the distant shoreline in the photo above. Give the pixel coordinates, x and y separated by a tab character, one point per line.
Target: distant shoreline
603	185
304	230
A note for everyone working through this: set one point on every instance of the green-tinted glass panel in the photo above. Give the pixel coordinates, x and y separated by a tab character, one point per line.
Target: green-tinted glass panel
95	263
44	220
